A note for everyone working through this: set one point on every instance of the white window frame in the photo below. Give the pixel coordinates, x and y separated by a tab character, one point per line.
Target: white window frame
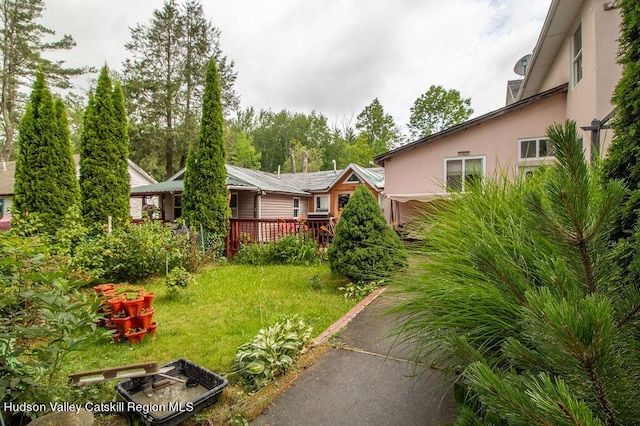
316	209
296	209
464	160
234	210
577	64
537	156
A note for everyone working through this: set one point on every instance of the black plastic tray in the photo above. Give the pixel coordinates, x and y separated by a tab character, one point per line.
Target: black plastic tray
209	380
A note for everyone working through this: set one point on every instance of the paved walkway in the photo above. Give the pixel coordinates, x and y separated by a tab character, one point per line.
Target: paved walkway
364	380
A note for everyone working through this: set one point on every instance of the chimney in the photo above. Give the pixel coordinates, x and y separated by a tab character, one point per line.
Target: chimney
305	161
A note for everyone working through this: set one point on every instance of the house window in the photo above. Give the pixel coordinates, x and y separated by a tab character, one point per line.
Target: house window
177	206
322	204
296	208
576	54
353	178
343	199
461	173
535	148
1	207
233	204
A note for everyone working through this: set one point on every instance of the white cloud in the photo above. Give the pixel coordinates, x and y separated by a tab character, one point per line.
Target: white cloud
335	57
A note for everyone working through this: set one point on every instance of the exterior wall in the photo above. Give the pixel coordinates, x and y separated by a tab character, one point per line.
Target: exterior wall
137	179
246	203
559	72
421	170
343	188
280	206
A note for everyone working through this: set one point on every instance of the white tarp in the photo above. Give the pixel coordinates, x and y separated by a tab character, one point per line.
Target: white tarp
422	197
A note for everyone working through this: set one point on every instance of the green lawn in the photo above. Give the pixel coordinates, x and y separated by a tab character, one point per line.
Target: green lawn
224	308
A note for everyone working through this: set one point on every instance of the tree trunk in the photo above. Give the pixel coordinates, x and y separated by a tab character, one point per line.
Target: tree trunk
292	155
305	161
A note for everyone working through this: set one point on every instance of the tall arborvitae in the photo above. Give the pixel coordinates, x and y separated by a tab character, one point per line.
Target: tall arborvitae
205	200
44	188
123	192
68	181
103	184
623	160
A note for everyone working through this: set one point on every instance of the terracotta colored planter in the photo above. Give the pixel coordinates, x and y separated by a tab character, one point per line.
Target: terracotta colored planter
145	319
122	324
133	306
148	299
101	288
116	337
152	329
136	337
115	303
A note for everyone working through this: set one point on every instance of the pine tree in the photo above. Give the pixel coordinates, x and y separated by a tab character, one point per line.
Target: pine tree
104	181
520	299
45	187
205	200
365	248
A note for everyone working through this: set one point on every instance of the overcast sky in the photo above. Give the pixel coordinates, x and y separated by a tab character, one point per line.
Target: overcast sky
335	56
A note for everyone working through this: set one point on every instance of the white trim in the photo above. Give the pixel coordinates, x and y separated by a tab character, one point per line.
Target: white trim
315	204
576	56
295	216
537	156
464	158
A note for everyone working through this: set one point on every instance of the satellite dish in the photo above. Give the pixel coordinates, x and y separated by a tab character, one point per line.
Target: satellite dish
521	66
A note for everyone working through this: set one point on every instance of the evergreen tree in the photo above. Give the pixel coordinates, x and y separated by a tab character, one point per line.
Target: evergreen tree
205	200
364	248
623	159
104	180
45	186
519	298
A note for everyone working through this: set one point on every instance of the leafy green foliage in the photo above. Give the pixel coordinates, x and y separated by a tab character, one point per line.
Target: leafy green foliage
130	253
205	198
364	247
436	110
104	180
43	318
271	352
45	173
359	290
519	297
177	279
288	250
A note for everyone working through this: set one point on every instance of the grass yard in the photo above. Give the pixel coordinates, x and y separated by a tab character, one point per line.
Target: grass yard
223	308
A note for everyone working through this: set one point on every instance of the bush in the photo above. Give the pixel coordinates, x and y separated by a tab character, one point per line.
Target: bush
177	279
131	253
42	319
365	249
288	250
271	352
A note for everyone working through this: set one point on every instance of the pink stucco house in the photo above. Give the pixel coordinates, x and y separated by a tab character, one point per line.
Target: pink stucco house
571	75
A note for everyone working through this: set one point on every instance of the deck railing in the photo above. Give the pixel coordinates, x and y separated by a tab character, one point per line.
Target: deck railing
252	231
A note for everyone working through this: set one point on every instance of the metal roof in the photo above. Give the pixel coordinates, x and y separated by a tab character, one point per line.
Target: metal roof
303	184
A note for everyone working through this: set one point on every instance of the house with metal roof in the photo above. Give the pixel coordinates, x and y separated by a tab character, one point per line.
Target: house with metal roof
571	74
255	194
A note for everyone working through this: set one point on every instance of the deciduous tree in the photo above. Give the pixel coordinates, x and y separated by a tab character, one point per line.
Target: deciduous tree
436	110
379	128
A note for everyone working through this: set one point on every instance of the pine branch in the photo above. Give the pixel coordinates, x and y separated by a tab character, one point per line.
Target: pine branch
629	316
604	402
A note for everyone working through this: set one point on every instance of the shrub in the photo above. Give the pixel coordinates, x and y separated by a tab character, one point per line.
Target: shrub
130	253
42	319
288	250
365	248
178	278
359	290
271	352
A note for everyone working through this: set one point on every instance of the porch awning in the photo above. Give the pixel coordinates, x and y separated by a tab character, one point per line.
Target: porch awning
422	197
